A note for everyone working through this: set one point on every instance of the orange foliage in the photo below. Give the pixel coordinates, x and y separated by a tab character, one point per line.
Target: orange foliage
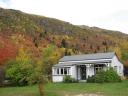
7	51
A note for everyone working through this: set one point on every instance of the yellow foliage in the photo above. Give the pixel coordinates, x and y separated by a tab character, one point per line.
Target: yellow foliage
118	52
66	37
124	45
22	56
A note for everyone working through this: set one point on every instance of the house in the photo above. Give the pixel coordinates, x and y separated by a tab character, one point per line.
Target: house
80	67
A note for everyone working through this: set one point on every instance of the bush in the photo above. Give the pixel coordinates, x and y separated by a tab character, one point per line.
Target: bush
105	76
112	76
68	79
22	74
91	79
100	77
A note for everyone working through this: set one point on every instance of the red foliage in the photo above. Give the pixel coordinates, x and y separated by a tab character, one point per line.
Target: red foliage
7	51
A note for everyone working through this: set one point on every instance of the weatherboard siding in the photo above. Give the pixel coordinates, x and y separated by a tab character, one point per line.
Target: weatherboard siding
59	78
116	62
73	72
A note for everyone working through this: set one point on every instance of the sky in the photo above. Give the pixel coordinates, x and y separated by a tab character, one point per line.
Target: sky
107	14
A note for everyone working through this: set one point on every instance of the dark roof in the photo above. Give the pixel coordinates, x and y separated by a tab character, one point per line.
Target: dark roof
95	56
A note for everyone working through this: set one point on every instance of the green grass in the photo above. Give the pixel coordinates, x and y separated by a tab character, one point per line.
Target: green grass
60	89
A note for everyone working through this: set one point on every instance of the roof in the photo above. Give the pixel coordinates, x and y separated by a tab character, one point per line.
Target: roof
80	63
95	56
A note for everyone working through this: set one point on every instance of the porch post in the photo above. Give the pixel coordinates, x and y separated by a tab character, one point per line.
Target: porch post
87	70
108	65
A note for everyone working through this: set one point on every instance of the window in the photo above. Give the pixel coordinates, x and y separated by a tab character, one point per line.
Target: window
120	69
58	71
115	68
65	70
98	68
62	71
68	71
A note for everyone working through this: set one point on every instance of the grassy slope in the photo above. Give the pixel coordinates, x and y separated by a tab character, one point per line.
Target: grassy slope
60	89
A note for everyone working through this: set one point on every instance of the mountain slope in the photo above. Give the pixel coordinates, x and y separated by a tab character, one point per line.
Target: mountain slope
36	32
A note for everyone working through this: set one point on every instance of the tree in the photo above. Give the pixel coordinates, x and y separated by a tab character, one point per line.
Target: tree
44	65
27	70
7	52
64	43
1	75
125	57
68	52
24	71
20	70
48	59
118	52
39	76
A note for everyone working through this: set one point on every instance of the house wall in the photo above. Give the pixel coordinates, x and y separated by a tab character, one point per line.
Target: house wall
56	78
91	71
59	78
79	74
116	62
74	72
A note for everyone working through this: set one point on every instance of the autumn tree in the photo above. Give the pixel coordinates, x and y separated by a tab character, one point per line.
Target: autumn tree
49	58
68	52
20	69
118	52
64	43
7	51
125	57
2	76
39	75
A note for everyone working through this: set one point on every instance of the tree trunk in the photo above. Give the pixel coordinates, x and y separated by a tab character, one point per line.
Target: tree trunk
41	88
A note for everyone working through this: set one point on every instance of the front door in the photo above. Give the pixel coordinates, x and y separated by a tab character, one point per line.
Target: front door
83	72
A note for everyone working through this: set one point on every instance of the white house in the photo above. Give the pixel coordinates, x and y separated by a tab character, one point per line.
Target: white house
80	67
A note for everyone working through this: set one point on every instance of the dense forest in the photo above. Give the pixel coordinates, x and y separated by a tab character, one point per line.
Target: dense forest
38	39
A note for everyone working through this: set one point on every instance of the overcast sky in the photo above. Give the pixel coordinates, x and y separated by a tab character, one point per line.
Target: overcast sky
109	14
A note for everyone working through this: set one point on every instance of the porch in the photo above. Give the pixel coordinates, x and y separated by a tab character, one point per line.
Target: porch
85	70
78	71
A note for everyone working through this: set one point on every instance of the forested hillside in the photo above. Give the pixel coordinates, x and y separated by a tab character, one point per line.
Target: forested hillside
41	38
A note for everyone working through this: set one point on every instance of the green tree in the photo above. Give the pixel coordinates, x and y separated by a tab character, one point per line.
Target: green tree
24	71
20	69
40	76
47	59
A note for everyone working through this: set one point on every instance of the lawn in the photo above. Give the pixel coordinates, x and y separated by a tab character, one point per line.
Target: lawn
61	89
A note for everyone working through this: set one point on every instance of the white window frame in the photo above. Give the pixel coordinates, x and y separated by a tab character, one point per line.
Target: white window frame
116	68
99	68
120	69
62	71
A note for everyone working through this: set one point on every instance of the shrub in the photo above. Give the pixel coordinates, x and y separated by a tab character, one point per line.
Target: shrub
97	78
21	74
68	79
112	76
100	77
104	76
91	79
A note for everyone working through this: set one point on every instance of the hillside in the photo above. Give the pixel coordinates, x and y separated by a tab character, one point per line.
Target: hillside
33	33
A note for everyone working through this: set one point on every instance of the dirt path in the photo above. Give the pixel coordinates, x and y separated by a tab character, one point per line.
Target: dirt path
86	94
